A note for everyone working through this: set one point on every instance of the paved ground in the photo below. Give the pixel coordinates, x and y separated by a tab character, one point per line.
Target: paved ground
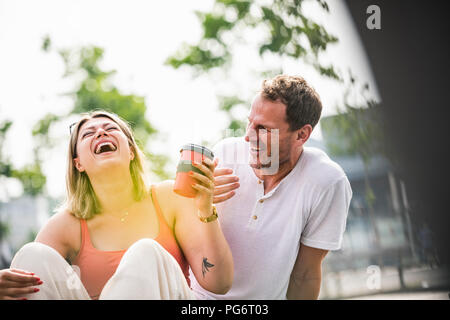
421	284
419	295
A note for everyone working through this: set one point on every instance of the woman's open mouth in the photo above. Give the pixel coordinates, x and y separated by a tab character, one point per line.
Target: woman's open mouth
105	147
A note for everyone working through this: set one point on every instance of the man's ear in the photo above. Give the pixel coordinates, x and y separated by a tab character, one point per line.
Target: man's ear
78	165
304	133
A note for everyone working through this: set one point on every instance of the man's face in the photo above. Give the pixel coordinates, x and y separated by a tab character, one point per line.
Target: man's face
268	134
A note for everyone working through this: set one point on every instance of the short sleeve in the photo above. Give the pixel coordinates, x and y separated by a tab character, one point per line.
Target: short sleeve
326	223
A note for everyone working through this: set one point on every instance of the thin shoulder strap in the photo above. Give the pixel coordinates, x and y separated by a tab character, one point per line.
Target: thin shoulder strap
84	232
157	207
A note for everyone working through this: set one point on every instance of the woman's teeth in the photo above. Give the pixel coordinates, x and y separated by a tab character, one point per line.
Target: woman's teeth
110	147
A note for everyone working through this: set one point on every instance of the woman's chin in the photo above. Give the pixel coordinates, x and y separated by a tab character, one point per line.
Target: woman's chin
109	162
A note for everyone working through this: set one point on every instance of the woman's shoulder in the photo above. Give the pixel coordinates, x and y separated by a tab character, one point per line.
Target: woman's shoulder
62	232
164	186
164	191
63	219
168	200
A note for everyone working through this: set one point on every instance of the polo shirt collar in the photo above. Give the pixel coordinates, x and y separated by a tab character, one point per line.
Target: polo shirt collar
260	183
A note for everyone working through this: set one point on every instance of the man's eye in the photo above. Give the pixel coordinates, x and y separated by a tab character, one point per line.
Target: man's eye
263	128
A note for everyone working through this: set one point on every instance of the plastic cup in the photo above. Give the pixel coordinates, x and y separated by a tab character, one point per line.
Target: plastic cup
189	153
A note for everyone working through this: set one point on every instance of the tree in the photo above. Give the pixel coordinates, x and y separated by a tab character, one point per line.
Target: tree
357	130
95	90
30	176
289	34
5	164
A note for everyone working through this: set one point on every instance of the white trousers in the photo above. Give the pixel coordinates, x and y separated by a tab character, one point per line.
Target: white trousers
146	271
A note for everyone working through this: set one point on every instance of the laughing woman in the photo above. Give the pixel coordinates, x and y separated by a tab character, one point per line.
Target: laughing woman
114	238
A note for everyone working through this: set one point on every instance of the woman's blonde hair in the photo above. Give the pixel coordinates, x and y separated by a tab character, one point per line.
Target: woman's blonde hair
81	199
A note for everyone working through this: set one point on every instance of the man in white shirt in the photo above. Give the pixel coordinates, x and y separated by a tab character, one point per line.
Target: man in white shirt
292	202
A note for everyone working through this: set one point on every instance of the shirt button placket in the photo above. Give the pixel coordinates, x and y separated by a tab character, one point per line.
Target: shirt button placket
258	207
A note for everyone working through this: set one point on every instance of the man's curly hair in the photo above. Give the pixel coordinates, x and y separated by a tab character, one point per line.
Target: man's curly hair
303	105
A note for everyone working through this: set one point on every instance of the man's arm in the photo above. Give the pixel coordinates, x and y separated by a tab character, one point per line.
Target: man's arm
306	276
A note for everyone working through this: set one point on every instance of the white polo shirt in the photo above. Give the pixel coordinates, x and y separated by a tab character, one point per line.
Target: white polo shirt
264	232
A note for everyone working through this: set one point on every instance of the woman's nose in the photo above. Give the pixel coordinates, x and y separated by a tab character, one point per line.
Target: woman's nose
100	132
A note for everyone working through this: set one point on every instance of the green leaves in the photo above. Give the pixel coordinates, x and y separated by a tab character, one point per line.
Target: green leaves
226	104
242	7
202	59
42	126
4	230
287	33
96	91
291	34
280	33
329	71
214	24
5	165
93	90
357	129
4	127
32	178
46	44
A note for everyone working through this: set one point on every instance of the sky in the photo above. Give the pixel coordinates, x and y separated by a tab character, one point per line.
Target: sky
137	37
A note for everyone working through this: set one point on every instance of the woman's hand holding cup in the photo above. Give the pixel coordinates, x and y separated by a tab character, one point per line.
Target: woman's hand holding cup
204	185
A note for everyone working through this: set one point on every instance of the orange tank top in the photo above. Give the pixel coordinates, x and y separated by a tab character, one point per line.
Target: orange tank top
96	266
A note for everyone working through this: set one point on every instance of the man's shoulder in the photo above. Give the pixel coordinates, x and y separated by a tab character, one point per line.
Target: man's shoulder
320	168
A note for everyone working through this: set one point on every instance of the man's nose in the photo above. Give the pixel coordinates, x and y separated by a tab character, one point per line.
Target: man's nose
251	134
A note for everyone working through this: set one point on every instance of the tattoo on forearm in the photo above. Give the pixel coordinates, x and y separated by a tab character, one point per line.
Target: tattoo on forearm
205	266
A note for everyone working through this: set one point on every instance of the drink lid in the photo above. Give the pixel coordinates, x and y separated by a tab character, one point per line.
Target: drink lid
198	148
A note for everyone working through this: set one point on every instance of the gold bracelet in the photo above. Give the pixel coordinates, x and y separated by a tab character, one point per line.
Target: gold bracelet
211	218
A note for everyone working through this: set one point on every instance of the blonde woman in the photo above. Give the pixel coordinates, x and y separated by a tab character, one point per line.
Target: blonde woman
114	238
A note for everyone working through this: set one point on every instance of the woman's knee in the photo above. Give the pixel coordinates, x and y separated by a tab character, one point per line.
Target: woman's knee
34	253
147	245
147	251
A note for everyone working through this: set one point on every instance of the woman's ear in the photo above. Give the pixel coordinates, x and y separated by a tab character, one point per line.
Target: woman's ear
131	155
78	165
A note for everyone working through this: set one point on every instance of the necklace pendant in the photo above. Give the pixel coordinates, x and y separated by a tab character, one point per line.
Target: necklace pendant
124	217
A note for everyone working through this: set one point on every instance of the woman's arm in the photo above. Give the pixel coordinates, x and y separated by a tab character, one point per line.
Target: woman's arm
57	233
60	232
203	244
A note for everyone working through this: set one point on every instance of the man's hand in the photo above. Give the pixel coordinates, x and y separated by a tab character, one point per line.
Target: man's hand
15	283
224	184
